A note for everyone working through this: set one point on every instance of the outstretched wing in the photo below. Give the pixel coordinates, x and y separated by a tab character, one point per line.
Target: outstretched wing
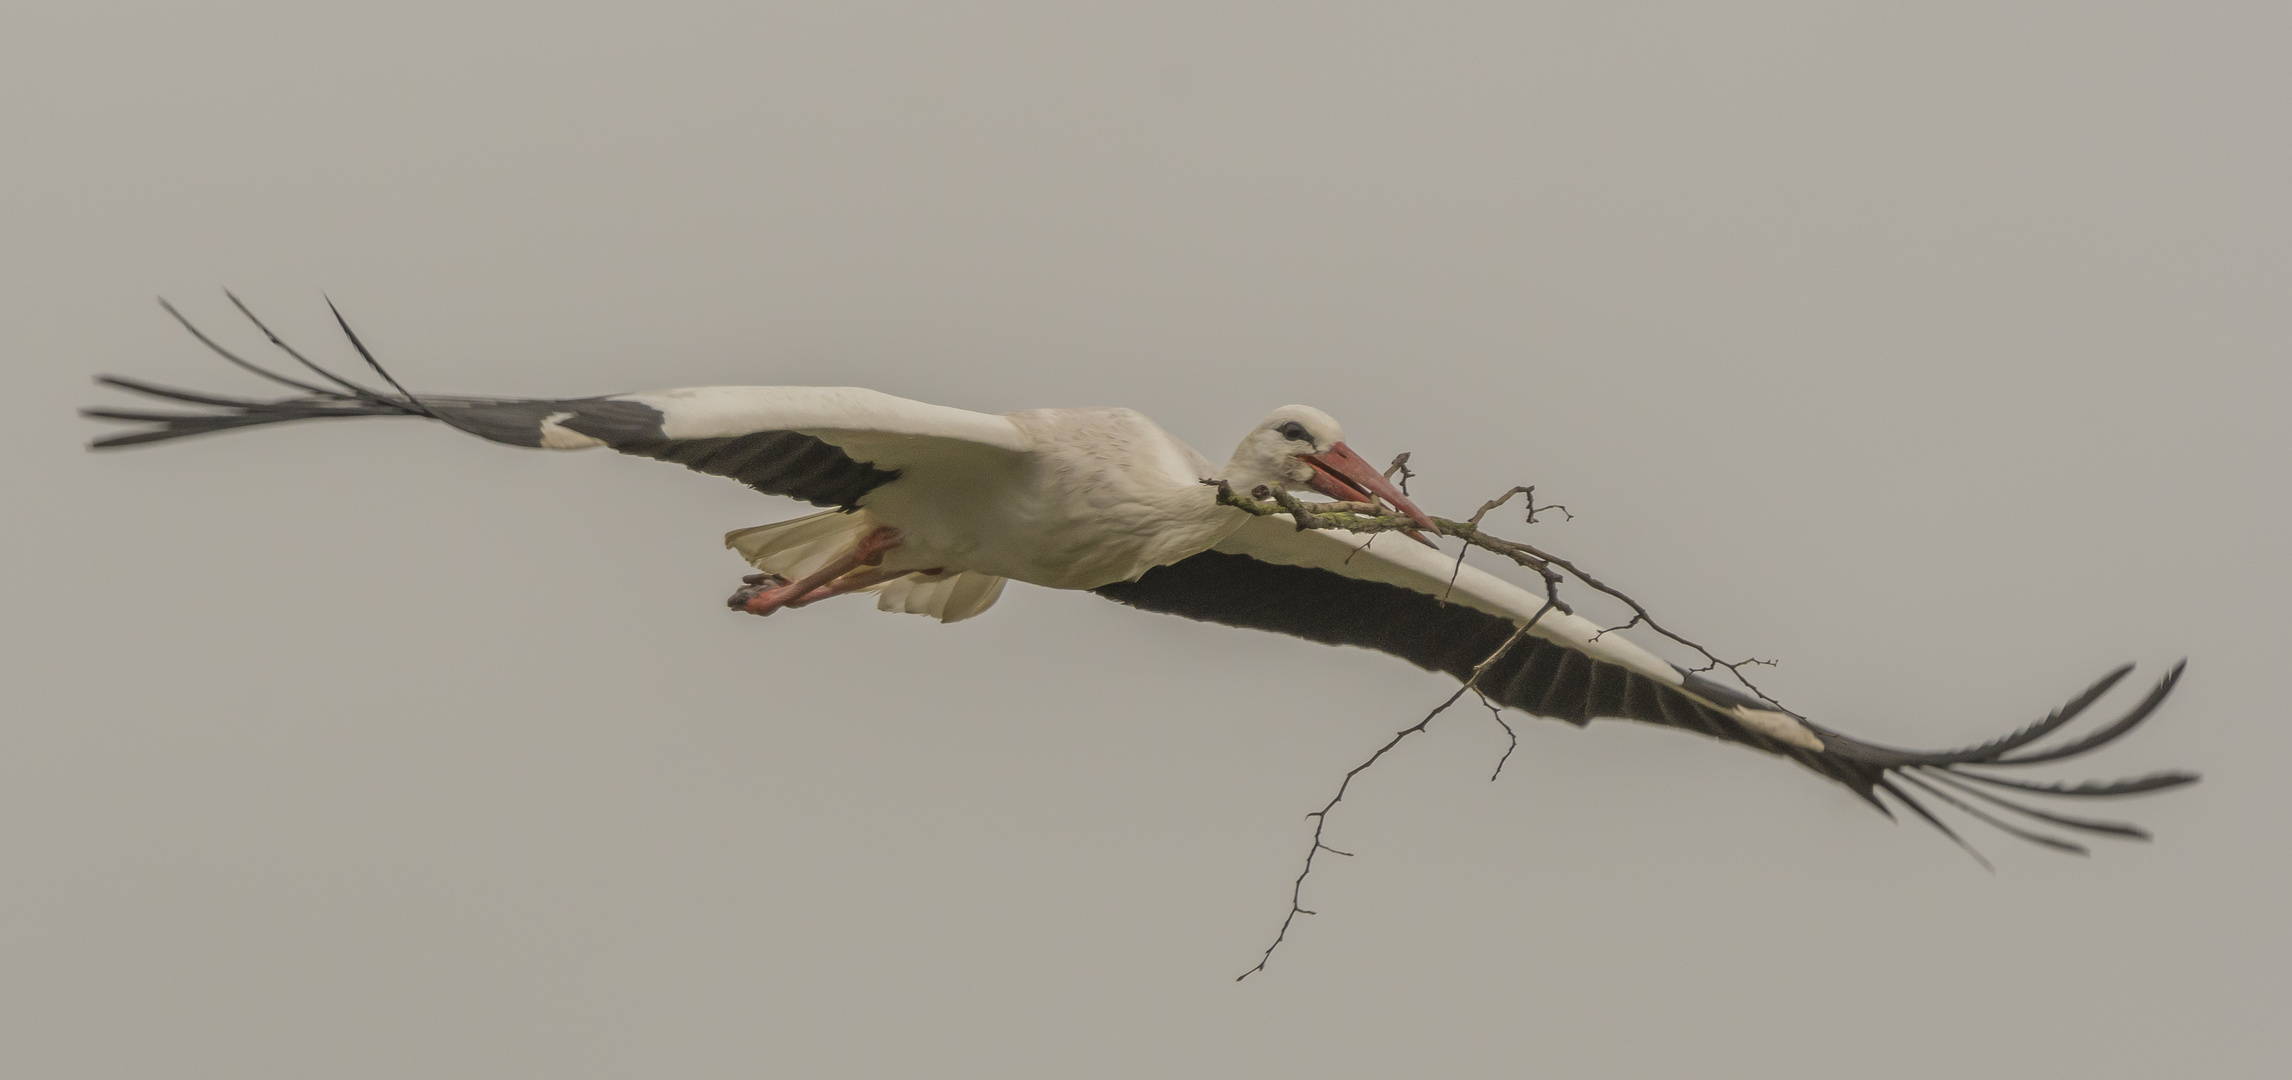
1332	587
829	446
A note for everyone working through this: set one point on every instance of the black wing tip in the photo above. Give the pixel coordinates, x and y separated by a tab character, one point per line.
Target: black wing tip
2119	829
1957	770
2169	778
2109	733
1993	821
230	413
2001	751
134	438
2090	789
1919	808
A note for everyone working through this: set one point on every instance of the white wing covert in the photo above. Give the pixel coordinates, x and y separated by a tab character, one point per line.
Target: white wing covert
828	446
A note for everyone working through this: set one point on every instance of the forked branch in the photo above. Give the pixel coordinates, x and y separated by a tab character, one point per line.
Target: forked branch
1321	817
1274	501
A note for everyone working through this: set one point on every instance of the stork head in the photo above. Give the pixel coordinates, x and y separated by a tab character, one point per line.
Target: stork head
1301	446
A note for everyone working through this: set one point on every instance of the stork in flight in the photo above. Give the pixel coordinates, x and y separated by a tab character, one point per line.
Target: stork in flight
933	509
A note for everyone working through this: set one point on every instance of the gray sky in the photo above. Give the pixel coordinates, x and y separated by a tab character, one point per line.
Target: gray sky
1939	352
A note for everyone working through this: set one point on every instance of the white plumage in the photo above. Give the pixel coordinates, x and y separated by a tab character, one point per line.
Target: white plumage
934	509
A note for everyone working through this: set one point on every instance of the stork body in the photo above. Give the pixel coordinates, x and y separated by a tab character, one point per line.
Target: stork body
1060	498
1098	496
933	509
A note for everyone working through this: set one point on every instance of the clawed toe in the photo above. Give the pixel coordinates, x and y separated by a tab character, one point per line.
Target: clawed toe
857	568
753	586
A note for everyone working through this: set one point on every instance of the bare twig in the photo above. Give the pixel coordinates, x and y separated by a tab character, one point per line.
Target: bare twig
1640	616
1544	563
1401	465
1496	713
1516	489
1474	521
1321	817
1372	518
1534	509
1270	501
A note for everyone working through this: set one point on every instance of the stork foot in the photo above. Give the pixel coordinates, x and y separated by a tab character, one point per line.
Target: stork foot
752	587
856	568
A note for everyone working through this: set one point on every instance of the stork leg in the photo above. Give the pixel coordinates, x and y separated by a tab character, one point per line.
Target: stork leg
763	594
861	578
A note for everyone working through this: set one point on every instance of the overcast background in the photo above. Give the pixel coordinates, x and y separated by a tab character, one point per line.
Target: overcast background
1940	353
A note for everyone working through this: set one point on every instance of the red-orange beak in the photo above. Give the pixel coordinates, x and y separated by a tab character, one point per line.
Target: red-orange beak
1341	474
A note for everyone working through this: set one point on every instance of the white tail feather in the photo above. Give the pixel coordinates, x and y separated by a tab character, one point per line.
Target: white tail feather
948	597
795	548
792	549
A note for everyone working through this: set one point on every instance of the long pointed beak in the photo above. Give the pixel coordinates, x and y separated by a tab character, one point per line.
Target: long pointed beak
1341	474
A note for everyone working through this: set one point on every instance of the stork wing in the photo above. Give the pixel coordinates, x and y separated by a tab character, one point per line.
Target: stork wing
1335	588
828	446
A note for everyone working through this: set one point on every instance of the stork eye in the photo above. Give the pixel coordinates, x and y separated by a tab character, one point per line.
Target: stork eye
1293	431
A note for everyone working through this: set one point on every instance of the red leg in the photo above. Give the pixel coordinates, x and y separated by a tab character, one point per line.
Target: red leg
851	582
760	596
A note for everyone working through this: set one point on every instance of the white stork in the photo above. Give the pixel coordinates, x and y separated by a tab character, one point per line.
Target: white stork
933	509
